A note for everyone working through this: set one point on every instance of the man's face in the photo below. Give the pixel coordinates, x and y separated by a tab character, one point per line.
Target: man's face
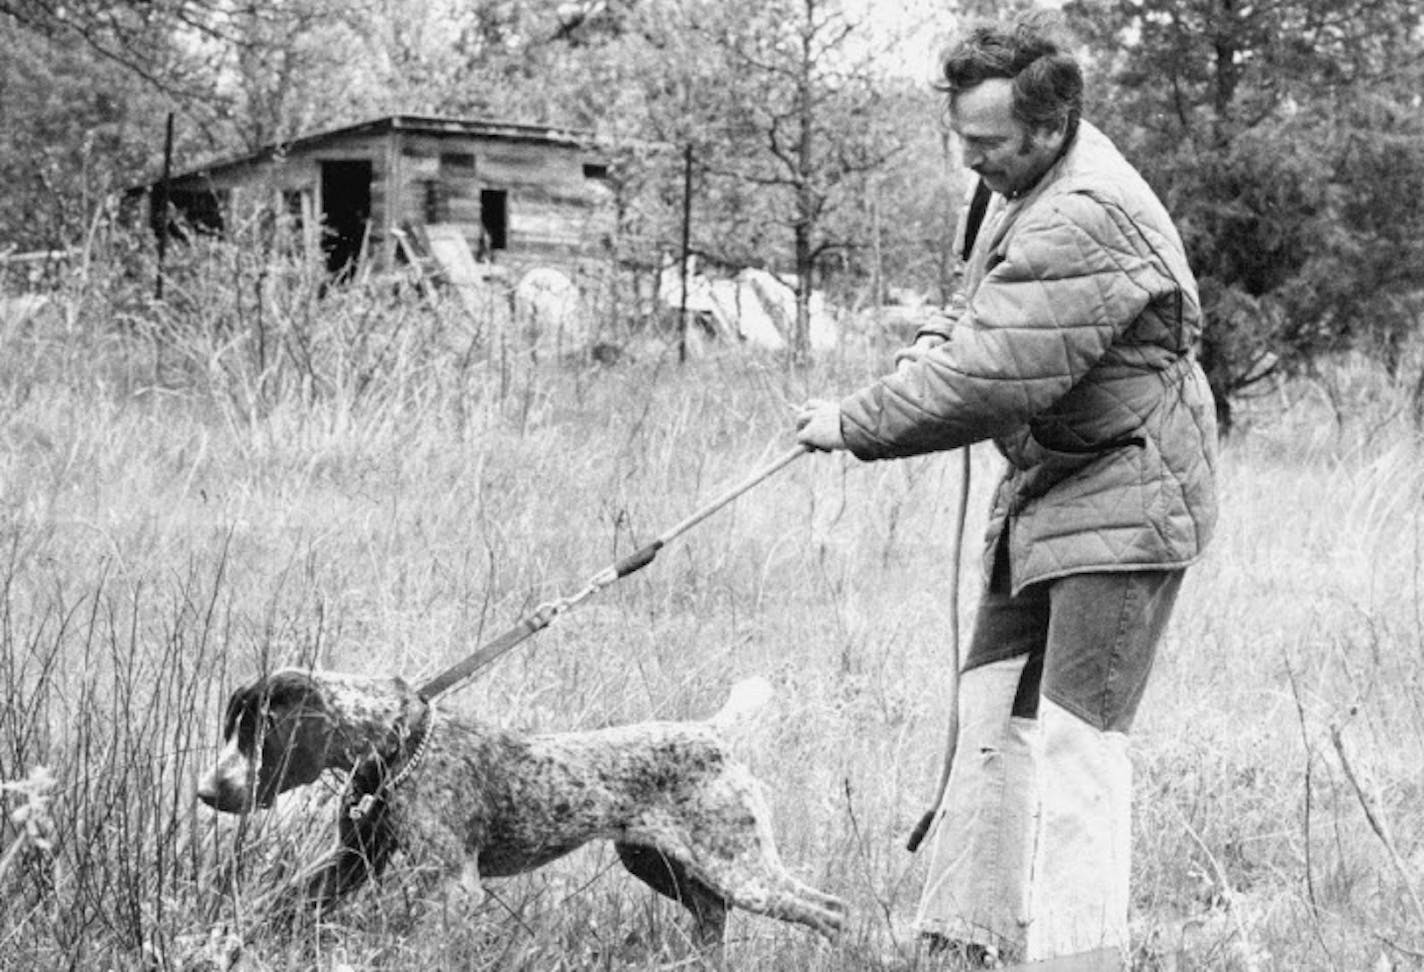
1007	154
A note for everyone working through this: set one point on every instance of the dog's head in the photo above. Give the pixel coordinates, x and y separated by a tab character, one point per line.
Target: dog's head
283	730
277	734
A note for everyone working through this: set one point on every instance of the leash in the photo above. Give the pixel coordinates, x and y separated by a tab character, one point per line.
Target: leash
542	617
973	221
545	614
922	828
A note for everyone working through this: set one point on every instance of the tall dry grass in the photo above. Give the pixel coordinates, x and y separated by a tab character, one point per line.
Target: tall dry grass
251	475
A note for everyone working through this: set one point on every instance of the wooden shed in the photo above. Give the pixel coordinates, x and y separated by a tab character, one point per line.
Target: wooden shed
520	195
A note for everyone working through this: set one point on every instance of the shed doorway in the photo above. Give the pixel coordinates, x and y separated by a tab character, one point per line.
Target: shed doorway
345	212
494	217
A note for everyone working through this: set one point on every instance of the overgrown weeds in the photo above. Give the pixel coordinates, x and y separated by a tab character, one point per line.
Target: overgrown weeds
253	474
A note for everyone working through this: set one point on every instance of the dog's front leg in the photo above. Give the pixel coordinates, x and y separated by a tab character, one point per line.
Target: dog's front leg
316	889
364	844
335	876
469	882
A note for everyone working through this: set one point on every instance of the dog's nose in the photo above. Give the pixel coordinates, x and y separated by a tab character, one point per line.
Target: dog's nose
224	800
218	794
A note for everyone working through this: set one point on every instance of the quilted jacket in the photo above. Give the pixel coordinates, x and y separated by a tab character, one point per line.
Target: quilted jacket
1073	351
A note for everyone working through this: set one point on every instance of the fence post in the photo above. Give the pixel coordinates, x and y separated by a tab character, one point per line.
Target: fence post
686	247
161	204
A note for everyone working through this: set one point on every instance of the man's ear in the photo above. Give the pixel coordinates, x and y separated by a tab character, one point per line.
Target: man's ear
1057	134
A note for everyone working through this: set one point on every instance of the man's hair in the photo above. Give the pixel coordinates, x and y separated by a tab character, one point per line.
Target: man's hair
1031	52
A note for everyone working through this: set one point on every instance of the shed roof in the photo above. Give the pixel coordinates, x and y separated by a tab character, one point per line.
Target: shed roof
418	124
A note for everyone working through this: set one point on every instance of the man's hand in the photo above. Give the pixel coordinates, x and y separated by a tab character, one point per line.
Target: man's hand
818	426
935	329
922	346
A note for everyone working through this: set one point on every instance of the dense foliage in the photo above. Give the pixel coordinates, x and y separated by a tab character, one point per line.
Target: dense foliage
1288	141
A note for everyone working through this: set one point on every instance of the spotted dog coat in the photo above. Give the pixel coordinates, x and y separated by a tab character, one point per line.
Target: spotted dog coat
472	799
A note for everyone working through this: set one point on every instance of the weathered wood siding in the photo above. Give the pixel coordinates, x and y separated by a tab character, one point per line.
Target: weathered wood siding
556	213
559	212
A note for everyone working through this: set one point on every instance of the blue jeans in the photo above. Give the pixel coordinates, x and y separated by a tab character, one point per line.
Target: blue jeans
1088	639
1031	853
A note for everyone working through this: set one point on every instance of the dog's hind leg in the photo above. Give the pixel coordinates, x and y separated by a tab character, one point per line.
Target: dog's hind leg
731	851
668	877
765	888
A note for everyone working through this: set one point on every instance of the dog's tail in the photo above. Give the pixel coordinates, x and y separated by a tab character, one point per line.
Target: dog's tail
745	699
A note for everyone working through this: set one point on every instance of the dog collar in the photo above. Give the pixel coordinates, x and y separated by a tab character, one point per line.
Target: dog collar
363	806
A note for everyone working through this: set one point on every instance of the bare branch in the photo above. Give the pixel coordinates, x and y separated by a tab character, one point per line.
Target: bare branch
1379	825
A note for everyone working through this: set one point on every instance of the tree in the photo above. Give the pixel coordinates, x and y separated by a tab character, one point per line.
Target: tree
85	86
77	126
807	125
789	128
283	66
137	36
1287	140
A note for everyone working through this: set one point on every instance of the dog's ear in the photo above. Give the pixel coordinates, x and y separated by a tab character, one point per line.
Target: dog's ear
294	737
251	708
240	719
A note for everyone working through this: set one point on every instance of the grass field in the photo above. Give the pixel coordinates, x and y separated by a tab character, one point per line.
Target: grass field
190	496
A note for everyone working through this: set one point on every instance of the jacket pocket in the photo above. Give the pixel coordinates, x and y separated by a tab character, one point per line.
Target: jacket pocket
1042	468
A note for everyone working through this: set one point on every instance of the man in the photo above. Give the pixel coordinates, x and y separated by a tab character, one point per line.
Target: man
1072	347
